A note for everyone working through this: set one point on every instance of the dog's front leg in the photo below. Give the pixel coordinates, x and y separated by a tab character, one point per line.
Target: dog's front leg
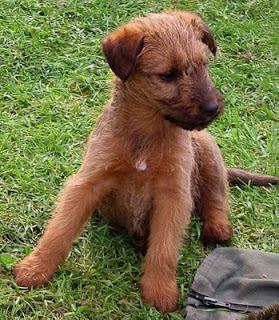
74	207
168	224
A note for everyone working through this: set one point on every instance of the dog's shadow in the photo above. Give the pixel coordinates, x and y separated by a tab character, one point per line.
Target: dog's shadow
101	250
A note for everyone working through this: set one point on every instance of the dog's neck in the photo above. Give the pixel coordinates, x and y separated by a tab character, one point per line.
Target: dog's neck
141	125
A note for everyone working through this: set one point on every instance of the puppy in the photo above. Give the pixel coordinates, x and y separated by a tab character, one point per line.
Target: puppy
148	164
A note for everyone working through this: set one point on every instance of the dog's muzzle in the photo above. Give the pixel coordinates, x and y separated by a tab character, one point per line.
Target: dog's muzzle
196	123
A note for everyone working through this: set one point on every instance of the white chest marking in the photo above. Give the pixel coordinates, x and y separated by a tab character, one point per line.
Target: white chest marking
141	165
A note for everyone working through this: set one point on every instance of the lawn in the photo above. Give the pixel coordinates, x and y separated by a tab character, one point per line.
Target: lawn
53	85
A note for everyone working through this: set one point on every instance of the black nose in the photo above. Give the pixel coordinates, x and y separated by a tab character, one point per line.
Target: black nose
210	107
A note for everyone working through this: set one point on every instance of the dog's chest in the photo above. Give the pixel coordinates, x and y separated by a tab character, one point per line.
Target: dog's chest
137	196
130	204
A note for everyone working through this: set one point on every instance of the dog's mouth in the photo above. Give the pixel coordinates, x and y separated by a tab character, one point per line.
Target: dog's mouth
195	123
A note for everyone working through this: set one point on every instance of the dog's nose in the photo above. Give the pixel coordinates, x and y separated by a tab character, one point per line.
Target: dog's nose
210	107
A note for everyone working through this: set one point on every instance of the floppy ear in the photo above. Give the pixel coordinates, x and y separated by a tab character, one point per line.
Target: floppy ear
121	49
206	35
197	22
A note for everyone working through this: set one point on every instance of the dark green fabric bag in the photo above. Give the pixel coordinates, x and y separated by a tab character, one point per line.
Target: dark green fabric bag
233	282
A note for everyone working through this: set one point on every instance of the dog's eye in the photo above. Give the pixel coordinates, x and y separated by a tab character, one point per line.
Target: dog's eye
170	76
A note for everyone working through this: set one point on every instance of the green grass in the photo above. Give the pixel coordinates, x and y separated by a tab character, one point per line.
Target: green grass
53	84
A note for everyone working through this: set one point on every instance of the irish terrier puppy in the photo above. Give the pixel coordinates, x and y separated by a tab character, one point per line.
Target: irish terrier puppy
148	163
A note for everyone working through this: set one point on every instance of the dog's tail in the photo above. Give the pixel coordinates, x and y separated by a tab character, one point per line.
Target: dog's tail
238	176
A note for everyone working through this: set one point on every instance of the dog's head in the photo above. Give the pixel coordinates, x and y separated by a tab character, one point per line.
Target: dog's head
162	58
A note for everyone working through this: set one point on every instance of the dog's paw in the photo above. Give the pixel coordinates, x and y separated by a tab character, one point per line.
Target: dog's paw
162	295
217	231
32	272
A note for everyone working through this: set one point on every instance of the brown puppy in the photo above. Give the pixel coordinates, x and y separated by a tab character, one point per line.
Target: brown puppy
147	164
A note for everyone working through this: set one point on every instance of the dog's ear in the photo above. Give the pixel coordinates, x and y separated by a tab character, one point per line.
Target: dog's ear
206	35
197	22
121	49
